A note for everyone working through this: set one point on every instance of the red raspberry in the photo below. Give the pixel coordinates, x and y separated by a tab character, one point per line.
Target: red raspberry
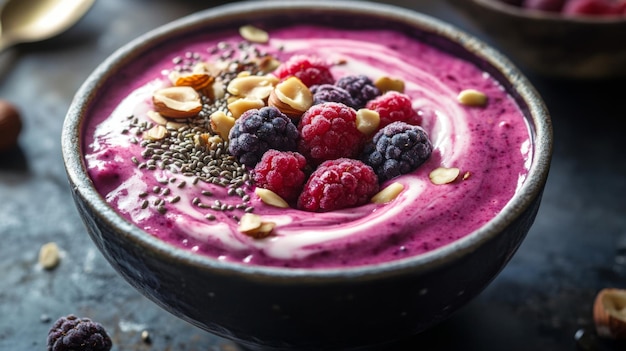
591	7
281	172
338	184
328	131
310	70
394	107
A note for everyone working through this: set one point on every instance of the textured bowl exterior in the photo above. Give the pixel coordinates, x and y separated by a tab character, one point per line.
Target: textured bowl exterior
551	44
335	309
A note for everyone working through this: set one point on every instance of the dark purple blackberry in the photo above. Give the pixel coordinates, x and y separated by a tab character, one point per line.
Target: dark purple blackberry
257	131
331	93
71	333
397	149
361	89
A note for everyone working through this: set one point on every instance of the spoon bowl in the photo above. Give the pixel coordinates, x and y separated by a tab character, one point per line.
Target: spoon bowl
24	21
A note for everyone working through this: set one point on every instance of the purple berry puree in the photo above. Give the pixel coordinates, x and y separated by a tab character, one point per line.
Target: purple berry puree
490	145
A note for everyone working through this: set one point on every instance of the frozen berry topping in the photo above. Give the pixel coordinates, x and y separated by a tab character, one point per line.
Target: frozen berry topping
328	131
71	333
310	70
282	172
394	107
331	93
397	149
259	130
360	87
338	184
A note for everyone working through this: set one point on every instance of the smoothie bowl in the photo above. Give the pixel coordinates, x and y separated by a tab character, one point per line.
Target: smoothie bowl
308	175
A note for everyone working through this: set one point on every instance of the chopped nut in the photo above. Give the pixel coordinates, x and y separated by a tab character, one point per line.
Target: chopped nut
254	34
249	222
472	97
389	193
367	121
466	175
198	81
254	226
157	118
49	256
271	198
258	87
177	102
443	175
385	84
157	132
221	123
174	125
267	64
291	97
239	106
609	313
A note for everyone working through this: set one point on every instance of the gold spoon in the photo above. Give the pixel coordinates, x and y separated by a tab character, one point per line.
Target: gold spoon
24	21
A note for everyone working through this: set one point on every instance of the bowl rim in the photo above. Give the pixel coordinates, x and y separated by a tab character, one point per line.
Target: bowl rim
530	189
546	16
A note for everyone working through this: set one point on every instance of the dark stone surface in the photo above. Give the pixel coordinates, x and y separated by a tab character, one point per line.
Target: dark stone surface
539	301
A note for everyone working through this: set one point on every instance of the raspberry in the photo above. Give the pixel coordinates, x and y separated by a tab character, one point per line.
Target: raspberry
360	87
394	107
328	131
397	149
257	131
281	172
331	93
310	70
72	333
338	184
591	7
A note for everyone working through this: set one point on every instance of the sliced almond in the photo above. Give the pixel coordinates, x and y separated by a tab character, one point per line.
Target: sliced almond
177	102
388	194
472	97
367	121
258	87
157	132
271	198
443	175
157	118
385	84
239	106
254	34
249	222
291	97
49	255
221	123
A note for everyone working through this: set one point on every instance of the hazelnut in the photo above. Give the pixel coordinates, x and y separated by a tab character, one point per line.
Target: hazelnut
177	102
10	125
291	97
609	313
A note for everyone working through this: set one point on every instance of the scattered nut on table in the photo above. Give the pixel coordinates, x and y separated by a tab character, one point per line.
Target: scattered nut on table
609	313
10	125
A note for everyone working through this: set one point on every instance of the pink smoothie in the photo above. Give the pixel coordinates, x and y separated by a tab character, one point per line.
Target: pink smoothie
490	144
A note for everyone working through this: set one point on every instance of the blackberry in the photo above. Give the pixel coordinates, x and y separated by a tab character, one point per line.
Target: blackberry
71	333
397	149
360	87
331	93
257	131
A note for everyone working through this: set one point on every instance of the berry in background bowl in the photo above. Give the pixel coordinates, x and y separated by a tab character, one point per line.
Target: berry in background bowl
578	39
308	175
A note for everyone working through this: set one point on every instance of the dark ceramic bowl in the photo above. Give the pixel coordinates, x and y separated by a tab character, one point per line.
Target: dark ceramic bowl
551	44
282	308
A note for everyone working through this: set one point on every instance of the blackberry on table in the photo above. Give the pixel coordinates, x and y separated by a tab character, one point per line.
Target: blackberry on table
397	149
360	87
71	333
259	130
